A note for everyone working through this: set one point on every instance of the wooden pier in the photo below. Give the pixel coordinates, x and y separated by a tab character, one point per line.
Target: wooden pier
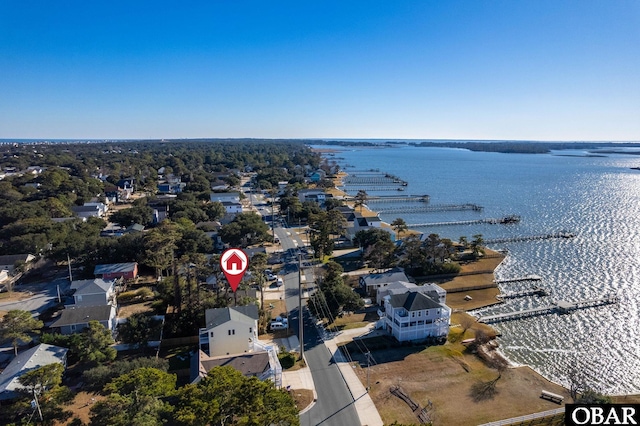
491	221
560	307
536	291
398	199
375	178
519	279
561	234
432	208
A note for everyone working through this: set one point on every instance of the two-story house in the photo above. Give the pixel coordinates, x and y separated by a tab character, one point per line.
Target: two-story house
317	196
94	300
95	292
230	330
372	282
414	316
434	291
230	201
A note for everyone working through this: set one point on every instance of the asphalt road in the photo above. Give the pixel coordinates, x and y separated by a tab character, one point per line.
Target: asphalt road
43	296
335	403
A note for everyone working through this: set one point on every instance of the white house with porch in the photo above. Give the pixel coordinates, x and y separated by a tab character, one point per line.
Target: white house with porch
414	316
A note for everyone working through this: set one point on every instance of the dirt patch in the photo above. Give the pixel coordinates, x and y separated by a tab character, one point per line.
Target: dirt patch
479	299
81	406
302	397
126	311
441	377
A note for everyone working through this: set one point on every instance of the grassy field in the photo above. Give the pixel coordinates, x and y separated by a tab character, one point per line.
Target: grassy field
441	377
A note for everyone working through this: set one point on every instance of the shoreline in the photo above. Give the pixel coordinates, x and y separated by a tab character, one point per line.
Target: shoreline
513	365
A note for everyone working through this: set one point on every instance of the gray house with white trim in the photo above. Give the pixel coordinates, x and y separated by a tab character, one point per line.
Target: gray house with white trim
75	319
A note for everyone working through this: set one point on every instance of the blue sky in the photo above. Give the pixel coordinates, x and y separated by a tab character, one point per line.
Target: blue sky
527	70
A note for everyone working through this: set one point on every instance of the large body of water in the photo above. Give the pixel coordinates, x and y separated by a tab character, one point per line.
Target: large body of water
596	198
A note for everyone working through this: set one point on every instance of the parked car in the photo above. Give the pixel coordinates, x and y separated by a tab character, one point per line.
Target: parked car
279	282
278	326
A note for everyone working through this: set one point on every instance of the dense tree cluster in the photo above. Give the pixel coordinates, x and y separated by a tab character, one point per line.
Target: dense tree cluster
149	396
66	175
334	296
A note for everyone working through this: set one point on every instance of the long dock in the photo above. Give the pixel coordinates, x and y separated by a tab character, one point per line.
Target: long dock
519	279
561	234
560	307
536	291
491	221
398	199
433	208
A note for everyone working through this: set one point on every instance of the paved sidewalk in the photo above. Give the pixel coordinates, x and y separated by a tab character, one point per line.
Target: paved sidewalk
367	411
298	379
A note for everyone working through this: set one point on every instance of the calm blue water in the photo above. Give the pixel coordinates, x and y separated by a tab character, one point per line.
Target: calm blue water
597	198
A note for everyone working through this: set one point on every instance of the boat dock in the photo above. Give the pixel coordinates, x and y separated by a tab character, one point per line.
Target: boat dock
561	234
560	307
373	179
432	208
492	221
536	291
519	279
398	199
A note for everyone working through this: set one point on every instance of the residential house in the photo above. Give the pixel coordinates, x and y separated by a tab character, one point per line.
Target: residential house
317	176
399	287
219	185
414	316
231	330
26	361
87	211
171	188
372	282
317	196
362	223
230	201
232	197
136	227
35	170
110	271
114	194
127	186
102	208
9	262
160	213
95	292
254	364
4	275
74	319
232	208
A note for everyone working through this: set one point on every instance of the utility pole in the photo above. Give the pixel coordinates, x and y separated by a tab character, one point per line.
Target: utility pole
35	399
69	264
300	316
368	364
273	217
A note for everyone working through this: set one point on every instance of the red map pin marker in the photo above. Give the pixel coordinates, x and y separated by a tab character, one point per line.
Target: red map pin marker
234	263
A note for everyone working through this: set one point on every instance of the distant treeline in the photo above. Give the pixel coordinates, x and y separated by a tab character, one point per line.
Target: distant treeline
519	147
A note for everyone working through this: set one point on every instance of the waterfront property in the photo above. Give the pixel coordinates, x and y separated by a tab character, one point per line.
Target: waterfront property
431	290
414	316
372	282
